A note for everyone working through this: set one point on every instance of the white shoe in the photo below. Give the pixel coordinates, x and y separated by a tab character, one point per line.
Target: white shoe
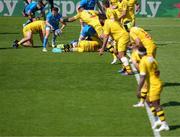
53	45
139	104
156	124
114	61
164	127
44	50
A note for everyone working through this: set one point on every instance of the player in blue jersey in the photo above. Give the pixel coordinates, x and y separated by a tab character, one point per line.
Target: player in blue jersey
52	24
31	8
86	30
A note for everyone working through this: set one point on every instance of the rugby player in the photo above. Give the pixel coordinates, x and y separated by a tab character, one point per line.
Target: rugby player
114	29
52	24
90	17
28	31
141	38
31	8
149	72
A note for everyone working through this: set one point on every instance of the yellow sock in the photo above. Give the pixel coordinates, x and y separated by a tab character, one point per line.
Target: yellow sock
161	115
153	110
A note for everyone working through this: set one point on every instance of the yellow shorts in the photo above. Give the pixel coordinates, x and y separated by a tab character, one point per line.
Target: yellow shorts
154	93
26	29
122	43
88	46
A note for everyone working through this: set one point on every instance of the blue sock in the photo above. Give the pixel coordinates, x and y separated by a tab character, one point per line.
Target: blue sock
45	42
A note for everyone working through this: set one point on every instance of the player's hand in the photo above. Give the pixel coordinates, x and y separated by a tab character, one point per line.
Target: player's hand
101	50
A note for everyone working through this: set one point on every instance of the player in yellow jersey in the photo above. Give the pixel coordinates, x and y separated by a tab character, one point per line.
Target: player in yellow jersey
89	17
135	59
28	31
141	38
131	9
149	72
115	30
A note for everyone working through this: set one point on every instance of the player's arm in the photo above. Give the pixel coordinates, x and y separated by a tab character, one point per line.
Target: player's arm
105	41
140	85
63	24
71	19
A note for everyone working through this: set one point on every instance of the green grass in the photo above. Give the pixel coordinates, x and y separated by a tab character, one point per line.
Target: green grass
81	94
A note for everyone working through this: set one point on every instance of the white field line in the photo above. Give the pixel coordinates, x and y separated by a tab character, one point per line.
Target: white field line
150	115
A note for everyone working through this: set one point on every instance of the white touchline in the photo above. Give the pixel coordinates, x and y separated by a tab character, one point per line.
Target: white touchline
150	115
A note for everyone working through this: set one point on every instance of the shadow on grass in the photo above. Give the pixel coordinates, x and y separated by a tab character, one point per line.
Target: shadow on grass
174	127
7	33
171	104
170	84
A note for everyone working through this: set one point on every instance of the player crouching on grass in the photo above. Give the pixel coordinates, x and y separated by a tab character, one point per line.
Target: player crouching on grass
148	69
52	24
28	31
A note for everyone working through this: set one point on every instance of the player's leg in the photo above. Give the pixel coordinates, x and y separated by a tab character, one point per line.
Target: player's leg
122	44
53	39
45	41
27	38
154	98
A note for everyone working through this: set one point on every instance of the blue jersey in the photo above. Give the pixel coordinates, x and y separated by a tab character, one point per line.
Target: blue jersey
32	8
54	20
88	4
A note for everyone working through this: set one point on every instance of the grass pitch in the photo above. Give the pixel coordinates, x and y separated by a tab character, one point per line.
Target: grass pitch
81	94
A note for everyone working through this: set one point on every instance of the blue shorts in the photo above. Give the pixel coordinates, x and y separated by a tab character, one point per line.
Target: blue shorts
87	31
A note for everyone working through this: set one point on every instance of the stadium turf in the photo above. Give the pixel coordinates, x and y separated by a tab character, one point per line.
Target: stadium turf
81	94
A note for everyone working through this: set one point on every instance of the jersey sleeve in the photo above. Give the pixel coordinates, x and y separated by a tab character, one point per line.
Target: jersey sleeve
142	67
106	28
77	16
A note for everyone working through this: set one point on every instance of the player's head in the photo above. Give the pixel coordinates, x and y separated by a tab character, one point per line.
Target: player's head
54	11
128	25
142	51
80	8
102	19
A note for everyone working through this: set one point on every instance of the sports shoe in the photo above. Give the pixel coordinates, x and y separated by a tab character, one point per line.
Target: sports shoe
53	46
44	50
156	124
164	127
139	104
15	44
114	61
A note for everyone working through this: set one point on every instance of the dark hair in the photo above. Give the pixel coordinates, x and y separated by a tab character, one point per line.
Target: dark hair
55	9
142	49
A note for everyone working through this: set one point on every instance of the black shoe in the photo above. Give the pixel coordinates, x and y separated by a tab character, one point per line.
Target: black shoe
15	44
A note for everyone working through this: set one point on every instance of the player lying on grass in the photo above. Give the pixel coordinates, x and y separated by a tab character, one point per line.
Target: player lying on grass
31	8
28	31
140	37
114	29
52	25
148	69
90	17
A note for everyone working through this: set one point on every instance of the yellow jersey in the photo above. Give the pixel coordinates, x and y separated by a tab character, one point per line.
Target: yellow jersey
122	6
111	14
88	46
135	56
114	29
145	38
148	66
35	26
113	2
91	18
